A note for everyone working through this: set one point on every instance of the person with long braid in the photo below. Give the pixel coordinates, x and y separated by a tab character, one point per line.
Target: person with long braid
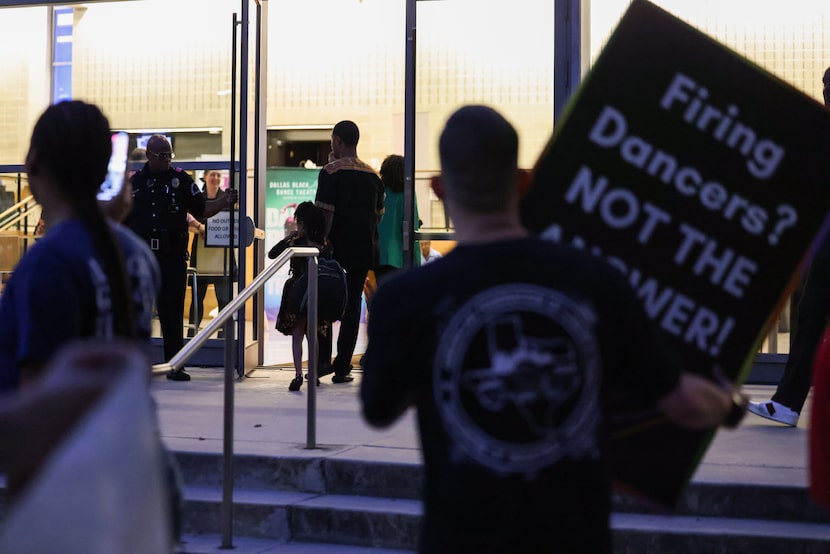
88	277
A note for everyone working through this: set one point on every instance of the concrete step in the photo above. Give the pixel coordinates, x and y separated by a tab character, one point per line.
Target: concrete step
377	504
737	501
351	477
211	544
309	474
637	533
274	517
298	516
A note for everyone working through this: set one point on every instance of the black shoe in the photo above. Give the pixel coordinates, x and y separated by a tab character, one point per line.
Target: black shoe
296	383
191	333
324	369
347	378
178	375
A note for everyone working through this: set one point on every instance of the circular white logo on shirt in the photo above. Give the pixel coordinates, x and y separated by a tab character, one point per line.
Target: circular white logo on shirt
516	378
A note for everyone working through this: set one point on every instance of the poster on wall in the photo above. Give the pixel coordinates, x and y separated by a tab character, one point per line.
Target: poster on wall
287	188
703	178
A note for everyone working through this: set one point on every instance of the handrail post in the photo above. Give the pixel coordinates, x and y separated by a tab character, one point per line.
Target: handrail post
313	352
227	436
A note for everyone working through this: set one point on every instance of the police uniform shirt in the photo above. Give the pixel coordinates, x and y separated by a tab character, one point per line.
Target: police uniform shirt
161	202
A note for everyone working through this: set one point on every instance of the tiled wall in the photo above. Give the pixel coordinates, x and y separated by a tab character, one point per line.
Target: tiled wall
24	86
788	39
165	64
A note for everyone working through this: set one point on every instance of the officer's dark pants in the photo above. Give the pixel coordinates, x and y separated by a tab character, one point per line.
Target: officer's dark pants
813	309
170	302
349	325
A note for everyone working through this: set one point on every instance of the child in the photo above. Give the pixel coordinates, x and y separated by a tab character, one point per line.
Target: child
311	231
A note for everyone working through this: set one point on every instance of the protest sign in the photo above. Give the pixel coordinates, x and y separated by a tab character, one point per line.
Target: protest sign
704	179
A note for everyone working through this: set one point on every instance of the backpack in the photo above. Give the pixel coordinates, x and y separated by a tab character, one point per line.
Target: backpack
332	292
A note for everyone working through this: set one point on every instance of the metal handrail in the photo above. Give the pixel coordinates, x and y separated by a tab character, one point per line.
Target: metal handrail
13	211
178	360
226	313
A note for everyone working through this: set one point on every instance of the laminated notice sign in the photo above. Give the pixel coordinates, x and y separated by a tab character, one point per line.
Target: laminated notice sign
704	179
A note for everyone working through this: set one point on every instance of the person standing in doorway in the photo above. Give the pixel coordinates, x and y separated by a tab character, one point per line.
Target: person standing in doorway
211	263
813	310
163	195
351	196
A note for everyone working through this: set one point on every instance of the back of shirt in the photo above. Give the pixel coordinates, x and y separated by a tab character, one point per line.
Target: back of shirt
59	292
508	350
353	192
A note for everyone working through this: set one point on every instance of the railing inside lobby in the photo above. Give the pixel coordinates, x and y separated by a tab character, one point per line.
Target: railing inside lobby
16	215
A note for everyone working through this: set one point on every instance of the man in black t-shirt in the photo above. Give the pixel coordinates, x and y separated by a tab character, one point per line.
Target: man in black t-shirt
351	196
510	366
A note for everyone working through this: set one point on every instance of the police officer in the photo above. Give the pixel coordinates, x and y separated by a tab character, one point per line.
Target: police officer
162	197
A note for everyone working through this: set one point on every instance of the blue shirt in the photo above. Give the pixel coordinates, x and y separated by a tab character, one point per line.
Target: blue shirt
59	292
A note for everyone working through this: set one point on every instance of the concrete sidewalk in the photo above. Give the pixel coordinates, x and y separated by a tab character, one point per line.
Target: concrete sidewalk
269	420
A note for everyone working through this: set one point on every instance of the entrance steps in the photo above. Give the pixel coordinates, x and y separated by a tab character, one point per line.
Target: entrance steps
339	505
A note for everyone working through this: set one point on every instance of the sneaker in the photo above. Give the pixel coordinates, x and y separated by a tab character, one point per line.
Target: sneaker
774	411
347	378
178	375
296	383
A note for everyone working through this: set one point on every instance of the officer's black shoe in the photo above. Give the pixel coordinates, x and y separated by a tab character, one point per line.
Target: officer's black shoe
178	375
347	378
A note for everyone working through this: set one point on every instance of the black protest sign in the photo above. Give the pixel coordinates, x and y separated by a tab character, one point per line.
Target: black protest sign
705	180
